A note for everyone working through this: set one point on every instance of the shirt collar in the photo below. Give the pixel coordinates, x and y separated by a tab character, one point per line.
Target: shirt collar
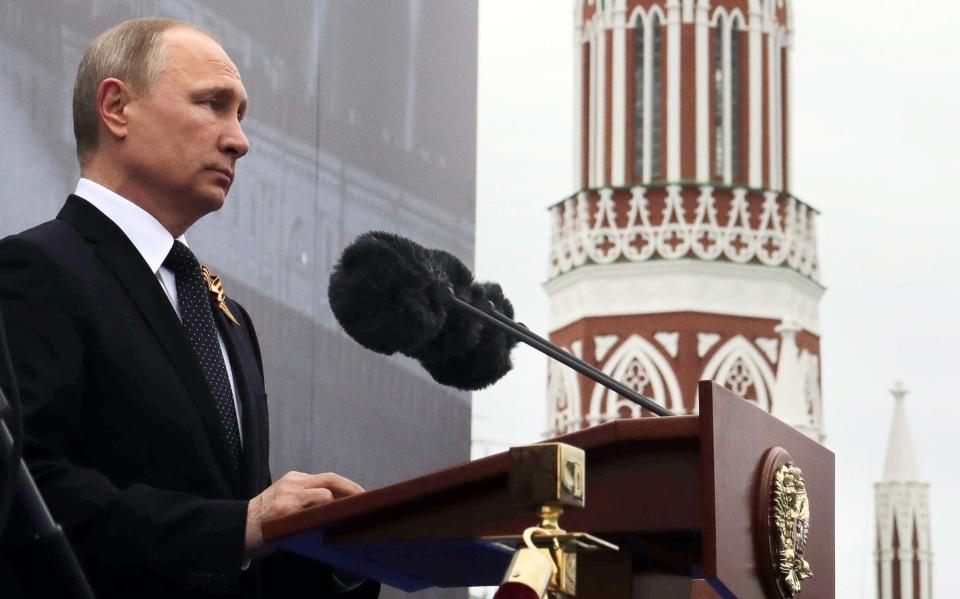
146	233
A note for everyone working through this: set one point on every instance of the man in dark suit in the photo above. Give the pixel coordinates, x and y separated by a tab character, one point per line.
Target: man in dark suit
143	394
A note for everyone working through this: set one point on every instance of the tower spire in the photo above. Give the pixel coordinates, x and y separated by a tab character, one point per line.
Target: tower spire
901	464
903	550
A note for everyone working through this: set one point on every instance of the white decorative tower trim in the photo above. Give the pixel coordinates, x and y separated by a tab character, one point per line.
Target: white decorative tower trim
903	556
602	344
670	340
706	341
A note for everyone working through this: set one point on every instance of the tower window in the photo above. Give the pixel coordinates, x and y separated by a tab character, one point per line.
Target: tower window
719	94
647	97
736	93
639	38
656	127
727	92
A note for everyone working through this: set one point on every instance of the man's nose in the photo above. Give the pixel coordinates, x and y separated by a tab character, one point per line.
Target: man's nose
234	141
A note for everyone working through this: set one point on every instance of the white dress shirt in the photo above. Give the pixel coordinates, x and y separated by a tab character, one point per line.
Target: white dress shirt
153	242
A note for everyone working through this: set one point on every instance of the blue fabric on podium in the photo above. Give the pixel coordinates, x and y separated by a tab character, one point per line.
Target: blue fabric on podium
410	566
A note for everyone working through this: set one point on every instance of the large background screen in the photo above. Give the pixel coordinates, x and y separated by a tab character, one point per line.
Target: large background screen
362	116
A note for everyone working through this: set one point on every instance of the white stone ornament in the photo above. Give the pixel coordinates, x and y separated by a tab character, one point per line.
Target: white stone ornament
577	348
673	240
768	345
771	242
603	246
602	344
705	341
638	242
707	237
740	243
670	342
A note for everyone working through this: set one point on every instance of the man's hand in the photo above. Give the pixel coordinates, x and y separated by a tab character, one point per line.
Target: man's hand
293	492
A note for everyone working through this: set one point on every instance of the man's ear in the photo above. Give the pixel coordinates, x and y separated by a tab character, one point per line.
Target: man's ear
113	97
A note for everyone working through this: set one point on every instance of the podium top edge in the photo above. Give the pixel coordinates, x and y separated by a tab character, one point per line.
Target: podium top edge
632	430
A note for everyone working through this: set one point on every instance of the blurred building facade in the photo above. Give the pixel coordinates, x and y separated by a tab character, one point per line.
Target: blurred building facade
682	255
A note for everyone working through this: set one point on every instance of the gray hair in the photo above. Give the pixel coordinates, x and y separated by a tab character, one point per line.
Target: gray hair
131	51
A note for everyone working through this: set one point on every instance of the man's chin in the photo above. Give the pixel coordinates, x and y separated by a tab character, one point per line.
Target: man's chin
213	199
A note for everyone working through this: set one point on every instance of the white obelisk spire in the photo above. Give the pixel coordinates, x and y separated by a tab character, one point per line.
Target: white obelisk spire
904	559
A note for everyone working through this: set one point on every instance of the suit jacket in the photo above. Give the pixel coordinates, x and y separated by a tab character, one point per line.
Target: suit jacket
122	434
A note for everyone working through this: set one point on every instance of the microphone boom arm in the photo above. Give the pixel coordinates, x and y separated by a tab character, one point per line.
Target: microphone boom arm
522	333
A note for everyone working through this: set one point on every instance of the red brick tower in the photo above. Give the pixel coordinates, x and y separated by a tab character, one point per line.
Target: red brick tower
682	255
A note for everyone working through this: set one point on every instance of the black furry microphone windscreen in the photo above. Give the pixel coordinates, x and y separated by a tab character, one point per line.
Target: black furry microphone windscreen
386	291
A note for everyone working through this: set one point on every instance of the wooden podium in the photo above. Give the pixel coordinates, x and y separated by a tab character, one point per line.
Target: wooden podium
680	496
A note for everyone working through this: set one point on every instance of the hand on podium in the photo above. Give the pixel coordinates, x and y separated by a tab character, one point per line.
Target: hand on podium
294	491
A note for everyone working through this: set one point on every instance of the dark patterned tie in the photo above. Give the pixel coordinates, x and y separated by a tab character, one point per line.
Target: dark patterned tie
197	317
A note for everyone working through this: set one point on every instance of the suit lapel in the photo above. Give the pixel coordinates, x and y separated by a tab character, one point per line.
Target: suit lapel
120	255
249	385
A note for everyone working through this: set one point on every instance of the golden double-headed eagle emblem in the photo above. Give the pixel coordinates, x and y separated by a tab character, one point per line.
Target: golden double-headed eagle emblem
791	517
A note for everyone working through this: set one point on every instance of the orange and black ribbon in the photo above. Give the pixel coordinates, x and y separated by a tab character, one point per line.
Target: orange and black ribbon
215	287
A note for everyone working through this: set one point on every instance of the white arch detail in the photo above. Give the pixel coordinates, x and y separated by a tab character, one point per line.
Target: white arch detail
604	404
719	13
718	368
736	16
729	18
643	16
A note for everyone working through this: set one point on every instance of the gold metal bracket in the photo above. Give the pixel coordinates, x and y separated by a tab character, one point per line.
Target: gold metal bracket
549	477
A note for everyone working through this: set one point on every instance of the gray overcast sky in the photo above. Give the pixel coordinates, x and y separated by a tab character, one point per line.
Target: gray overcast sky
876	148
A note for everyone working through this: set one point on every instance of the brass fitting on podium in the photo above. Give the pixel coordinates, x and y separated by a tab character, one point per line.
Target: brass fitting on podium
547	478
